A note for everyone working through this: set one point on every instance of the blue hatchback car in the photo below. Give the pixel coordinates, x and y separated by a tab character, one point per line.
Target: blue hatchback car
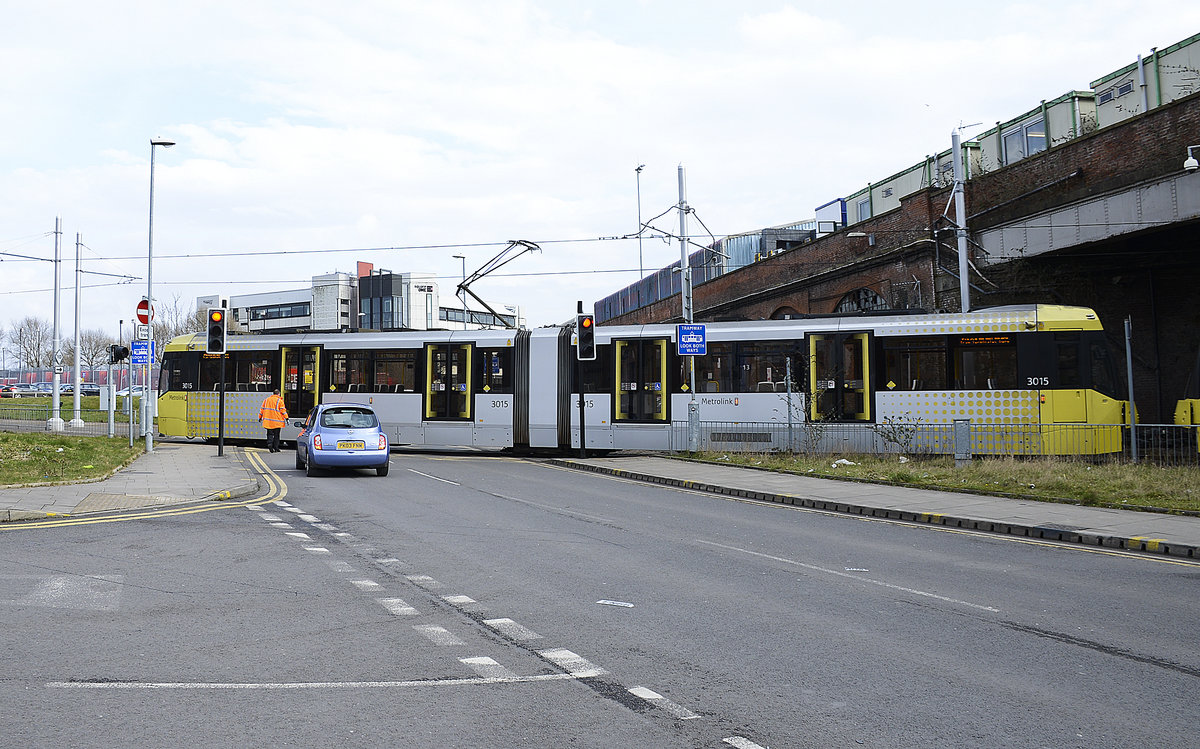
341	435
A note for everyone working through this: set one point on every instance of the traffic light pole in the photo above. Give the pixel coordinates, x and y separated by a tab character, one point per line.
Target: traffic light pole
221	413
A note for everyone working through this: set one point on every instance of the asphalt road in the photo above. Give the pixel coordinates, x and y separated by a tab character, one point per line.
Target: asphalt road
471	601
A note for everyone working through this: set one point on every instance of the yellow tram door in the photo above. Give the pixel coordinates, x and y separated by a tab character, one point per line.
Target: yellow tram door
640	384
449	391
839	377
300	383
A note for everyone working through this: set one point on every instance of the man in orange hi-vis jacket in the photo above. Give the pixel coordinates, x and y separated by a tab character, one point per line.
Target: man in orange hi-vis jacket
273	416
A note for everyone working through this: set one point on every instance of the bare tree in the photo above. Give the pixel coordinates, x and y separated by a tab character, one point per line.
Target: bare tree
33	339
93	347
174	319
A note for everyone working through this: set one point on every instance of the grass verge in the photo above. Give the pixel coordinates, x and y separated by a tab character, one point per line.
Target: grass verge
60	459
1126	486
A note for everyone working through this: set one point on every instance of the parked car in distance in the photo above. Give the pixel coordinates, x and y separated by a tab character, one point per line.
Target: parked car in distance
341	435
89	388
137	392
18	390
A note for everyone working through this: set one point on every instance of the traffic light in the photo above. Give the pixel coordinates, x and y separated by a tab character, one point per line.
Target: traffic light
215	343
585	330
117	352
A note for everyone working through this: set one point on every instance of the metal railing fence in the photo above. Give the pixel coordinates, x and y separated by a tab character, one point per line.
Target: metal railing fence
36	418
1161	444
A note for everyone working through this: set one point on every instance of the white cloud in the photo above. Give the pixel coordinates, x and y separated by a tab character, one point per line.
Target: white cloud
305	126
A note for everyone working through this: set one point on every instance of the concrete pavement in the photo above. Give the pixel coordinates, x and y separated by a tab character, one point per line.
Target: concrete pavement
176	472
1159	533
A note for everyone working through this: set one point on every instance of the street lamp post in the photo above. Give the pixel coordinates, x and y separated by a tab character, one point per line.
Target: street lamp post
147	393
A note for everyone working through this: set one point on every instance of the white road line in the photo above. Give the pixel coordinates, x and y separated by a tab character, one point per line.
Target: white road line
338	565
318	549
281	503
397	606
572	663
254	508
344	535
512	630
296	510
310	519
302	536
281	525
657	699
458	600
859	578
435	478
269	516
439	636
367	585
303	684
326	527
488	668
425	581
741	743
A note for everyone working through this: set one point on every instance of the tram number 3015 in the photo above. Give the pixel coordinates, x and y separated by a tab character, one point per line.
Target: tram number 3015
1037	381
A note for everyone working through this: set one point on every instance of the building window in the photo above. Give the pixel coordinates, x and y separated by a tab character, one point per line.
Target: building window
861	299
1024	140
864	209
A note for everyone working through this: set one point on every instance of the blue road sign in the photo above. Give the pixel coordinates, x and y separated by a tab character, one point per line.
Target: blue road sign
141	351
691	339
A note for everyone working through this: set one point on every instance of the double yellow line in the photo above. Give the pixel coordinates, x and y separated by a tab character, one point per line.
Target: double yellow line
276	490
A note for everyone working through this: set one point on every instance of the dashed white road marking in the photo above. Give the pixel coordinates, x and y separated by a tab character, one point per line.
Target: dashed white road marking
397	606
366	585
318	549
512	630
310	519
299	535
439	636
329	527
458	600
296	510
281	525
435	478
859	578
338	565
657	699
572	663
269	516
425	581
488	668
741	743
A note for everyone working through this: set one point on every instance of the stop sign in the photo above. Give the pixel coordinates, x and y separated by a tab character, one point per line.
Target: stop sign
143	312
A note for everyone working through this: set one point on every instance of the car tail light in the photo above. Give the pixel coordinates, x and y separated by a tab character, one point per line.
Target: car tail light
316	442
382	442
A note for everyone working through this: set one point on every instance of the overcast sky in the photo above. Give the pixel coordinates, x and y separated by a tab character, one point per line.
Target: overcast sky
404	133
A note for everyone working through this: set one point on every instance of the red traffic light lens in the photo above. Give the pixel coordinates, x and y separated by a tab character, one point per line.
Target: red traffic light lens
586	322
215	316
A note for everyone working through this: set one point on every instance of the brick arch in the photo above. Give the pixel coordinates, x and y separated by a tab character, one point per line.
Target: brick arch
861	299
786	312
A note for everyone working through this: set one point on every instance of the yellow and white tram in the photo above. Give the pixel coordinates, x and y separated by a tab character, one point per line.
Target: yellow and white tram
1039	376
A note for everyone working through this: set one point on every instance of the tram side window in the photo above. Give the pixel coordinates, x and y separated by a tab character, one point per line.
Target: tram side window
714	371
495	375
396	371
1067	356
350	371
985	363
762	366
251	371
1104	377
914	363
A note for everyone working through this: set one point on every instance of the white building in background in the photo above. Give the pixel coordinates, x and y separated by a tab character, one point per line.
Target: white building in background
372	300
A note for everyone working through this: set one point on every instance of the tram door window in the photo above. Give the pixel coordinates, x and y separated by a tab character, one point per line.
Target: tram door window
839	377
641	380
448	384
300	383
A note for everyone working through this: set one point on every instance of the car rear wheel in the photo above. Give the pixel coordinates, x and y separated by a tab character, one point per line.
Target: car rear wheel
299	463
383	470
310	470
